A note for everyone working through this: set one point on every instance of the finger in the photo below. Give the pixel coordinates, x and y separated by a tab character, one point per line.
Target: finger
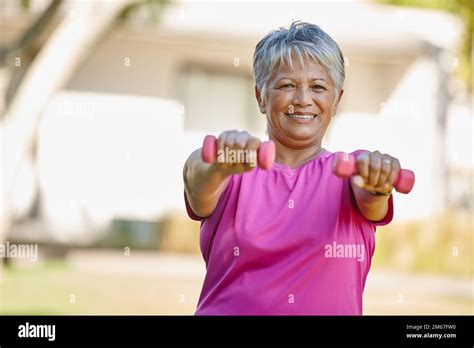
385	172
240	144
230	139
362	163
221	143
241	140
221	140
396	167
358	181
374	168
253	143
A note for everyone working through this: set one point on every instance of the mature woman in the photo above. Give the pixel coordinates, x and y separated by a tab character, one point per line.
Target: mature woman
295	239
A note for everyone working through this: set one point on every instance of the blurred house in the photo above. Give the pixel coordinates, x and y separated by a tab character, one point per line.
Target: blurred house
113	143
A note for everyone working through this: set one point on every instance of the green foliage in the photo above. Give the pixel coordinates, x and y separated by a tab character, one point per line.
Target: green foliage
464	9
154	9
25	4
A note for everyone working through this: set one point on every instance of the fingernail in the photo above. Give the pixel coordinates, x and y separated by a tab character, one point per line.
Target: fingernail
386	186
359	181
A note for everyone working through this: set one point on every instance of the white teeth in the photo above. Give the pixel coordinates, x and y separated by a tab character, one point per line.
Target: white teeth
301	117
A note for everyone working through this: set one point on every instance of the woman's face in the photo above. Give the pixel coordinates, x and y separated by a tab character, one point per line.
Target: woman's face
299	104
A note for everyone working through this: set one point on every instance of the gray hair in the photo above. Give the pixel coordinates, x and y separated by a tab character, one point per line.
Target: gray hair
302	38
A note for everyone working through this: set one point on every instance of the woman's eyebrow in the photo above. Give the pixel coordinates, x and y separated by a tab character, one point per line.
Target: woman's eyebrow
318	78
293	79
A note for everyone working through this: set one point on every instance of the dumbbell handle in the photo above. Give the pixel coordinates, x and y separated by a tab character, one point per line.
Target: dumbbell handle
345	166
265	155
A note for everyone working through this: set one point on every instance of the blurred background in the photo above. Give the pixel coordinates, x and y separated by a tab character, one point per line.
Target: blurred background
103	101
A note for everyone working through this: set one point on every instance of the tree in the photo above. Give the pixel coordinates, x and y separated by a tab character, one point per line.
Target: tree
49	70
464	9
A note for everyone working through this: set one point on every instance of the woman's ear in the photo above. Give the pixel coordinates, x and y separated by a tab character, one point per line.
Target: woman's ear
336	103
260	101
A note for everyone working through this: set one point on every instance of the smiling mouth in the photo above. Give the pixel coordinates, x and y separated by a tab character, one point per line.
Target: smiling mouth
301	117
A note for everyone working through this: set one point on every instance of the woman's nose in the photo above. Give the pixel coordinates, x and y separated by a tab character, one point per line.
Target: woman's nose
302	97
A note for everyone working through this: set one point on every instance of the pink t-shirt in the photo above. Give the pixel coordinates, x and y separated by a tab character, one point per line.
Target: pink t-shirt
287	242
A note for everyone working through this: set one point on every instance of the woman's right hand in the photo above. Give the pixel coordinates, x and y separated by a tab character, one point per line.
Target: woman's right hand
205	182
236	152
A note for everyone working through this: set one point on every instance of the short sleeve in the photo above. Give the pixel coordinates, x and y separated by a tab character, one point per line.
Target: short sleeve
224	196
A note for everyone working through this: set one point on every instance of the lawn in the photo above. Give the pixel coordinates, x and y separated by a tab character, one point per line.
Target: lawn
54	287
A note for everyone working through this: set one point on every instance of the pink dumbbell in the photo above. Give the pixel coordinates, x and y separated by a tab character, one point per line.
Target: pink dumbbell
265	154
345	165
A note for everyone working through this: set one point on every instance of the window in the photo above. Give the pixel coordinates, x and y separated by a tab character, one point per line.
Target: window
218	101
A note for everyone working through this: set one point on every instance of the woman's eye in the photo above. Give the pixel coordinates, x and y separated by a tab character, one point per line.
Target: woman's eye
315	87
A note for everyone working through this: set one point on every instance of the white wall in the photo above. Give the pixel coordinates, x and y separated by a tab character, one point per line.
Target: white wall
106	156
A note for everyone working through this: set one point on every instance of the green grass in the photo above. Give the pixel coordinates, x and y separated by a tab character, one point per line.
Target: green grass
442	246
47	289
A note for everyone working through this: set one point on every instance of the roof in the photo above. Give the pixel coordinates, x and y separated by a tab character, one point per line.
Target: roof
350	23
354	24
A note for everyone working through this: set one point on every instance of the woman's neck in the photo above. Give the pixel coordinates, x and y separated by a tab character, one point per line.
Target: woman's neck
295	158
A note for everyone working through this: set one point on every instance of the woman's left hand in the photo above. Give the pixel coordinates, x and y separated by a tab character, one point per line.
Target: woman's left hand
376	172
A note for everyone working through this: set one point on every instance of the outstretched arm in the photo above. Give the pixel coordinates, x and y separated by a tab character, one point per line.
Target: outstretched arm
205	182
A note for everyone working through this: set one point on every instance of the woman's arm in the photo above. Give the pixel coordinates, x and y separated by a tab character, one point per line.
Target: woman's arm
204	183
373	208
373	185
